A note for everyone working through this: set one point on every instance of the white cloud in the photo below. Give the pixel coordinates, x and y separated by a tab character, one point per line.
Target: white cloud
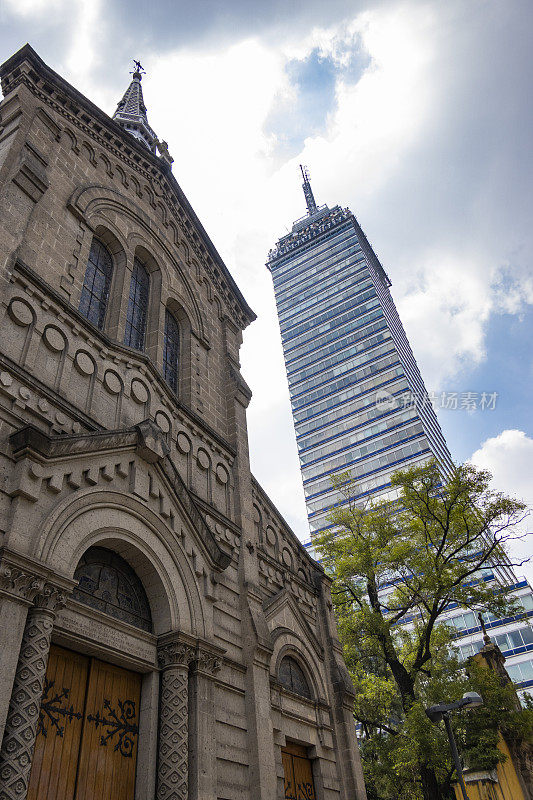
509	457
31	8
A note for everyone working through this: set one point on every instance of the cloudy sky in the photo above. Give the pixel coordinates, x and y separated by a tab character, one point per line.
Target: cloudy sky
416	115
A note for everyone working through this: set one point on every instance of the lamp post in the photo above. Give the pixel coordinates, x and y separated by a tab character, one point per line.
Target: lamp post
442	711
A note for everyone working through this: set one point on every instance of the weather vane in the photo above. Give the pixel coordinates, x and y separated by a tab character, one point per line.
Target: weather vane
138	67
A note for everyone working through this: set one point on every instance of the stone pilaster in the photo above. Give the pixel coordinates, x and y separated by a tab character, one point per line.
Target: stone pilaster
18	586
23	715
347	750
202	733
173	754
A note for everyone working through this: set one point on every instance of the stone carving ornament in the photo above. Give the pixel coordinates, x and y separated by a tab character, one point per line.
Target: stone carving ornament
173	765
23	715
175	654
19	582
208	662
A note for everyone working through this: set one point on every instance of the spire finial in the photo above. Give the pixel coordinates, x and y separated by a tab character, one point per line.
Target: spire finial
139	70
131	111
131	115
308	192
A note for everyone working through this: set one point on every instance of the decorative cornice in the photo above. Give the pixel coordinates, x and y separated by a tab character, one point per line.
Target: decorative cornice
147	439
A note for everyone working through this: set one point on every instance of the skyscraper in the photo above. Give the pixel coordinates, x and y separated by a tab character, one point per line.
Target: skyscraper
358	400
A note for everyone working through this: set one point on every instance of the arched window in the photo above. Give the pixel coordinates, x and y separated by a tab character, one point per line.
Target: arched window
137	306
171	351
291	677
96	284
107	582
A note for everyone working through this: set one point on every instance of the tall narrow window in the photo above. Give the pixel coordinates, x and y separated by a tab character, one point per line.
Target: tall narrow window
137	306
96	284
171	351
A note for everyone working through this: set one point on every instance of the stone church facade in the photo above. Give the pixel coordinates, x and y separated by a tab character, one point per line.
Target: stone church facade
163	632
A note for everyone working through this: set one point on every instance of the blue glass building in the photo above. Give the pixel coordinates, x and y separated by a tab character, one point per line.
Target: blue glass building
358	399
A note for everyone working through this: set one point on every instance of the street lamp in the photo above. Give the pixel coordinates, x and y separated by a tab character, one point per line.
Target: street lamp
442	711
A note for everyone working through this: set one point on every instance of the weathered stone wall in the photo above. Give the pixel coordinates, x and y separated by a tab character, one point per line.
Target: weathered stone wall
95	448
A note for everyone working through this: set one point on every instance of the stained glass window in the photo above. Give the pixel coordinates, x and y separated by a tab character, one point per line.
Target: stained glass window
108	583
96	284
291	676
137	306
171	351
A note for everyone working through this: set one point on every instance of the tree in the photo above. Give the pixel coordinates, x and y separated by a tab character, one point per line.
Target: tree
408	563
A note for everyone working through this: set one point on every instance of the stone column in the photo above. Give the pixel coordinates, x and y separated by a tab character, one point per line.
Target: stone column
173	754
18	587
202	733
23	715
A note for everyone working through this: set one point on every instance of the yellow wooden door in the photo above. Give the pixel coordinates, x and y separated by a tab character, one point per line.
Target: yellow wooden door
55	758
298	773
109	743
86	746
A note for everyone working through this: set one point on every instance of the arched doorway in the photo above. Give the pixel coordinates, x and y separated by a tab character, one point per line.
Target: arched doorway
86	747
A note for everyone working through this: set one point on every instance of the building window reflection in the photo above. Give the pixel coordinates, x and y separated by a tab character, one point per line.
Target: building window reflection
95	291
171	351
137	306
291	677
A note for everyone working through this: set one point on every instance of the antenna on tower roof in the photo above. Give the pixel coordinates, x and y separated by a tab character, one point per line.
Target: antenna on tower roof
308	192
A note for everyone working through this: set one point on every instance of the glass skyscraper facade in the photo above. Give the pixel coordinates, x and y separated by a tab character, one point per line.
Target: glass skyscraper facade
358	400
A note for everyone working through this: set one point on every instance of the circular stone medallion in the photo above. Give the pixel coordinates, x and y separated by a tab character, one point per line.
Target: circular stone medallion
203	459
286	557
139	392
112	382
222	473
183	443
84	363
20	312
54	339
163	421
271	537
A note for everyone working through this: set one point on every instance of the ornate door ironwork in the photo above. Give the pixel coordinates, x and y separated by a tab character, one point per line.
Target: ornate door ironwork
88	729
298	773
